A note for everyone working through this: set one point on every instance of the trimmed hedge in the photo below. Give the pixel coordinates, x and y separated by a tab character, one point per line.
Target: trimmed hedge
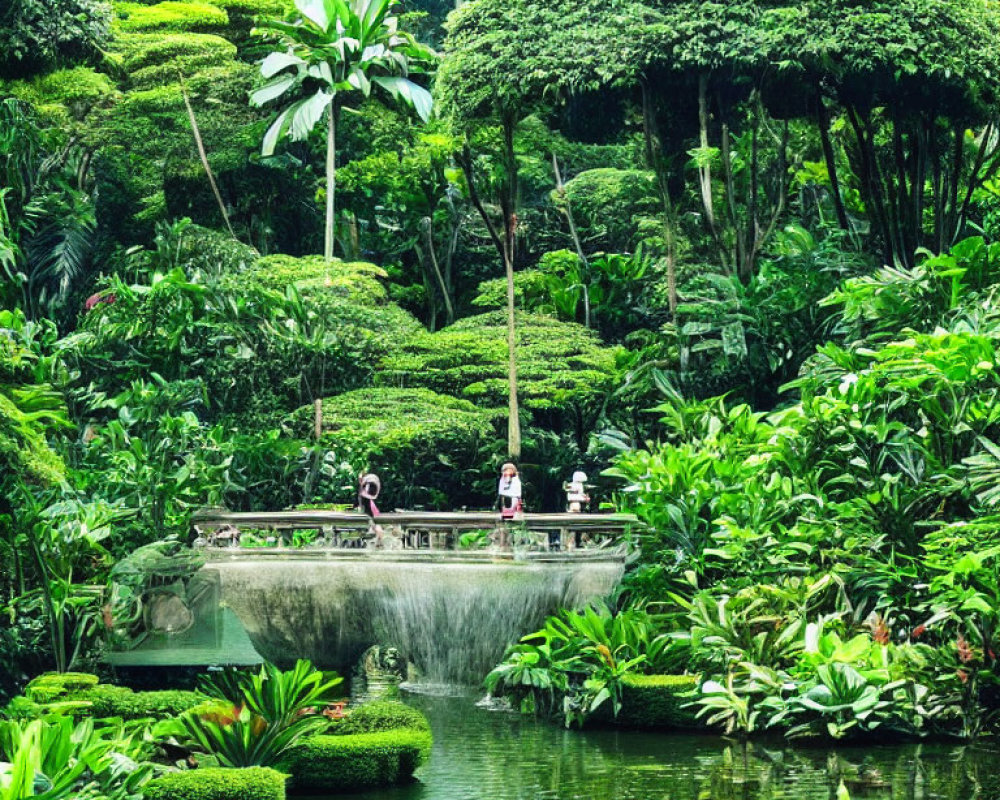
559	364
120	701
214	783
658	701
358	761
356	281
380	716
55	685
78	88
154	60
422	444
171	15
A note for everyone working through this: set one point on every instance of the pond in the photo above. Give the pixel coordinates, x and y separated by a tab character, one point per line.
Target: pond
488	755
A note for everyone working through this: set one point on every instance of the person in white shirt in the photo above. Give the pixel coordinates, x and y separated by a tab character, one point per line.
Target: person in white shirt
509	491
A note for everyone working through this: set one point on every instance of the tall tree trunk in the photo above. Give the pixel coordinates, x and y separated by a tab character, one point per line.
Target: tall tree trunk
654	157
823	123
505	247
508	204
331	178
428	226
203	156
585	276
705	171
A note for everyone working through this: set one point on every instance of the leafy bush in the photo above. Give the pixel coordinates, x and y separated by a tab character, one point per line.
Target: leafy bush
171	15
250	783
422	444
608	203
119	701
561	366
579	661
142	50
378	717
358	761
37	36
261	717
52	685
358	282
658	701
78	89
59	759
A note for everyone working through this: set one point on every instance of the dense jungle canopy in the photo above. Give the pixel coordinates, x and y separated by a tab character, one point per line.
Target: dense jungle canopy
737	261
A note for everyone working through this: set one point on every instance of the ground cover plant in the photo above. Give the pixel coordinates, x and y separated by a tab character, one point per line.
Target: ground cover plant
739	259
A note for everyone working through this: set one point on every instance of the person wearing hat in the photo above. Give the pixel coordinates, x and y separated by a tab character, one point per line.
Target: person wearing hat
509	491
368	488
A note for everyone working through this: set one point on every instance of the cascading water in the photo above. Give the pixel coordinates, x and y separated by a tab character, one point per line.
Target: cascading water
451	618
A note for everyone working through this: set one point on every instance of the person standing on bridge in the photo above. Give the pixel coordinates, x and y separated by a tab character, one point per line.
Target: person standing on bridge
509	491
508	498
368	488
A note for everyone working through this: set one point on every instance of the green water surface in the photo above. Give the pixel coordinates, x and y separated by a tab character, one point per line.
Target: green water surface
489	755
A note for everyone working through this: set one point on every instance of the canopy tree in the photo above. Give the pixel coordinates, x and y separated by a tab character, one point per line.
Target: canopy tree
332	49
910	79
504	61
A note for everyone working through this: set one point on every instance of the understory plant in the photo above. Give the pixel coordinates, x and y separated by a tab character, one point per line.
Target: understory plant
576	663
257	717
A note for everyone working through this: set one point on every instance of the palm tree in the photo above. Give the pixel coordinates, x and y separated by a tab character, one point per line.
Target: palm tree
334	48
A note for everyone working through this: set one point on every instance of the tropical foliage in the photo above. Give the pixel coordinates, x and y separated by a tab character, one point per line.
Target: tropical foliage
739	258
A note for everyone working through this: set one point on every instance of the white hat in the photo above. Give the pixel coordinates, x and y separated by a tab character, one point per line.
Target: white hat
579	477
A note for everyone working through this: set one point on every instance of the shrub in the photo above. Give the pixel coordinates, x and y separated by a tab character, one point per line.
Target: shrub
606	204
379	717
359	761
561	365
41	34
171	15
358	282
420	443
120	701
252	783
141	50
658	701
22	707
78	89
156	59
52	685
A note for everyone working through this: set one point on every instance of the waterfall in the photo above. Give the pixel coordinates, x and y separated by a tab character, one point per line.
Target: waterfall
452	619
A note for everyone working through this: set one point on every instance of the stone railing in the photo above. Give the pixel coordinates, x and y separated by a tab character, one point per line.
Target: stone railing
410	530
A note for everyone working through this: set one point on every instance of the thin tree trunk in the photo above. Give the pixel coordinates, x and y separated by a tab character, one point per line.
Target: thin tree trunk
506	250
651	138
705	168
331	178
204	161
870	186
448	308
510	230
738	235
823	123
585	276
975	180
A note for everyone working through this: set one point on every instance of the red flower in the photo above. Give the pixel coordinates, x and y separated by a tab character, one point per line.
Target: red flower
963	676
965	653
919	631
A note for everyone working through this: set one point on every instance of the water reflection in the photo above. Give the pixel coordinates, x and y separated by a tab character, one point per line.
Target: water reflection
485	755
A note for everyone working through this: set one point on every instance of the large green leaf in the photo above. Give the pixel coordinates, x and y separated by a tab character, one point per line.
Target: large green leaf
308	113
272	89
406	90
